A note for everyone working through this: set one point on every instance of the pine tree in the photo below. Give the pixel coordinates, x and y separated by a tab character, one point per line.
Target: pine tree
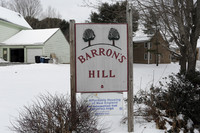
114	13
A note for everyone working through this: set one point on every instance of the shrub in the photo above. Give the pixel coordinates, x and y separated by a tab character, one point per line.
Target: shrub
52	114
176	103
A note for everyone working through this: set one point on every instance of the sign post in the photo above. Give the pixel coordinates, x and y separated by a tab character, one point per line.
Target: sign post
130	78
72	74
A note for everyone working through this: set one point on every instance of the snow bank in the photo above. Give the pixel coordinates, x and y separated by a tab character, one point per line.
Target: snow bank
21	84
146	75
2	60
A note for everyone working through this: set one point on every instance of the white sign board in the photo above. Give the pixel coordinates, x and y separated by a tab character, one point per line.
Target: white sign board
105	103
101	57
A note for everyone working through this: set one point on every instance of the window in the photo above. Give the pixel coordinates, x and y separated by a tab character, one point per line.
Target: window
5	54
146	56
147	45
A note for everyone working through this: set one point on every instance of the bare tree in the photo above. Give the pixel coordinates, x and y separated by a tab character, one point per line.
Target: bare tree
28	8
179	19
3	3
51	12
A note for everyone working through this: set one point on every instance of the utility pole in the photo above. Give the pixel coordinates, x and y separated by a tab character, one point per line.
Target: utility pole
157	43
130	67
72	74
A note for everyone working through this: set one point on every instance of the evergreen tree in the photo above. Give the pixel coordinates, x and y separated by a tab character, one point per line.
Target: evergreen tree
50	23
33	22
64	26
113	13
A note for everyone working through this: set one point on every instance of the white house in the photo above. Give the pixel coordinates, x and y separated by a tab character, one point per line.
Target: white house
11	23
20	43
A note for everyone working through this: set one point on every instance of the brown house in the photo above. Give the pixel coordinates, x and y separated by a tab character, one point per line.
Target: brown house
150	49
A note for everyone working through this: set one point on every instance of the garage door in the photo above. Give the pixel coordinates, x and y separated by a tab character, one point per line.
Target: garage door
31	53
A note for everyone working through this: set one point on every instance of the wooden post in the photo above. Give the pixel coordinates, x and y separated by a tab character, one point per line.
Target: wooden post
72	74
130	66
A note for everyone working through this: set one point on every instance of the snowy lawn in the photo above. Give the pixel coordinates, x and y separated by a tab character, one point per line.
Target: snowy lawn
21	84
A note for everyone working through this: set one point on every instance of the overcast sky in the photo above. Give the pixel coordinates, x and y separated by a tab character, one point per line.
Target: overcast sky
69	9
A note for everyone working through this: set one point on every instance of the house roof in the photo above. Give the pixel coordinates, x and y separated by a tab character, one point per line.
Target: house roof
140	36
31	37
13	17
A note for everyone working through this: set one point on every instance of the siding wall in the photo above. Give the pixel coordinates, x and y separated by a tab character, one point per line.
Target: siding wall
138	53
139	50
62	49
7	30
162	49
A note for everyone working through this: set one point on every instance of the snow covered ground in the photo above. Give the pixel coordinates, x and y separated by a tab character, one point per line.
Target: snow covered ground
2	61
21	84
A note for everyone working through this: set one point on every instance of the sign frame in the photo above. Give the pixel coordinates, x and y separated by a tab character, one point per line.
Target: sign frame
125	89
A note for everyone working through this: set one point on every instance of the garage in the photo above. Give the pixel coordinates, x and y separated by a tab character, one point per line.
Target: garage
17	55
27	44
31	53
